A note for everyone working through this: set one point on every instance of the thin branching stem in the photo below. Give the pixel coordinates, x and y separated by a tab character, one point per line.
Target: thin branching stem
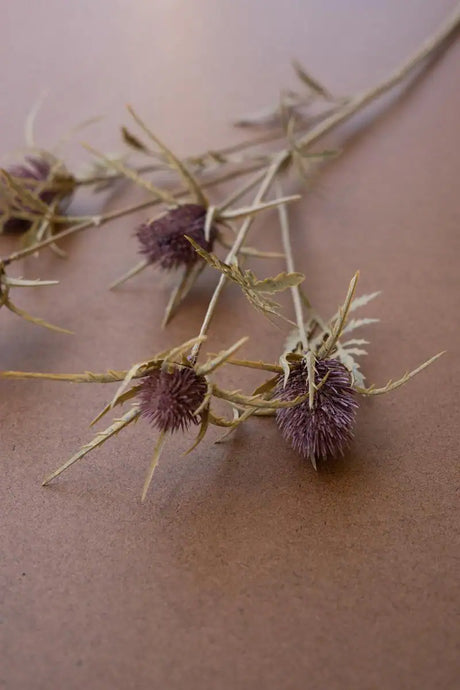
97	221
240	238
287	248
349	108
363	99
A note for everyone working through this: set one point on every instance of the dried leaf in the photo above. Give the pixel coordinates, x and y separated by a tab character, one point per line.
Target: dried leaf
202	431
337	328
131	174
266	386
310	362
187	177
311	82
285	366
357	323
256	400
211	213
34	319
128	395
130	274
238	419
220	358
86	377
274	115
134	371
176	352
253	288
154	462
265	366
253	210
352	365
283	281
132	140
219	421
356	351
361	301
392	385
180	292
98	440
21	282
27	198
355	341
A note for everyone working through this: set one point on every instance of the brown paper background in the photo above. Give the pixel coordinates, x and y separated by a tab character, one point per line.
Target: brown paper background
244	569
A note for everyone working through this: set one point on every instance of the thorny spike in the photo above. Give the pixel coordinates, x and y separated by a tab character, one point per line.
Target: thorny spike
154	462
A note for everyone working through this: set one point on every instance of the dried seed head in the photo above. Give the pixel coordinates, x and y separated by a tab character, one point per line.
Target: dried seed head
32	170
169	399
163	242
324	430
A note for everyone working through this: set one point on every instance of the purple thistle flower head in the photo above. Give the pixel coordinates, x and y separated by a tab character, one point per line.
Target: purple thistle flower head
35	169
324	430
162	240
169	399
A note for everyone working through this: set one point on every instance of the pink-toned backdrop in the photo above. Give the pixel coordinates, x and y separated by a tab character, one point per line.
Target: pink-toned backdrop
244	569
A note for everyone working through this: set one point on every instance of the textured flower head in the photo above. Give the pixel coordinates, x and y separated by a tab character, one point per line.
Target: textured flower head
169	399
325	429
163	240
32	170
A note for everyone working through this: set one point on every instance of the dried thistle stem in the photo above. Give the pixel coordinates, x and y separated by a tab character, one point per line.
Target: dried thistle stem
97	221
287	248
113	429
392	385
154	462
336	118
348	109
270	175
427	48
192	160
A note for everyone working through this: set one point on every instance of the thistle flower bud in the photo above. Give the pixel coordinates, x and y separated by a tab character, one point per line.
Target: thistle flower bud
162	240
34	169
169	399
325	429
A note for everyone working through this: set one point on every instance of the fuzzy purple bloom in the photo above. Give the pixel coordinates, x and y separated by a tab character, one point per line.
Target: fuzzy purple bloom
38	170
169	399
34	169
162	240
325	430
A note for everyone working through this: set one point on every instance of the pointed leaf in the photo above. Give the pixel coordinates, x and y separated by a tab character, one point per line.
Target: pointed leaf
98	440
189	180
278	283
392	385
35	319
132	141
311	82
154	462
357	323
128	395
202	432
253	210
180	292
131	174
